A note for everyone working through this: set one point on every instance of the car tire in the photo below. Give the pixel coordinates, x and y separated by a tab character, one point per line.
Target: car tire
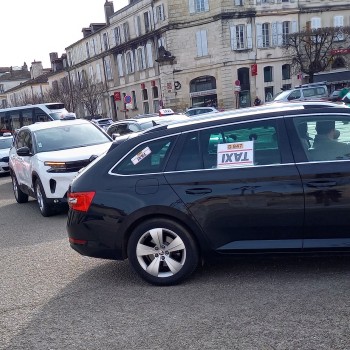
20	196
151	258
45	208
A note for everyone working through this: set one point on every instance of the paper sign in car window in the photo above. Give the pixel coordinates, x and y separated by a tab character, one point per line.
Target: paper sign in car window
141	155
237	154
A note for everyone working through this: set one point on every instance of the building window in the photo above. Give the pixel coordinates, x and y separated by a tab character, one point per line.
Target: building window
147	21
129	62
239	2
286	71
198	6
160	13
120	65
133	96
268	93
108	69
267	74
149	47
240	36
144	94
315	23
202	43
156	106
146	107
98	73
126	31
117	36
2	88
155	92
87	50
266	35
285	32
141	60
286	87
138	25
105	41
339	23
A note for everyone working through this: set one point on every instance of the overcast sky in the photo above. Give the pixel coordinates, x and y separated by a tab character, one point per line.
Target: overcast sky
31	29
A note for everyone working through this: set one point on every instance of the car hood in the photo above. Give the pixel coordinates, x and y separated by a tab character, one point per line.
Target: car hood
73	154
4	152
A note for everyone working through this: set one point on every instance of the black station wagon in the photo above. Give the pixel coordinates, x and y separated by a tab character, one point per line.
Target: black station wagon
272	179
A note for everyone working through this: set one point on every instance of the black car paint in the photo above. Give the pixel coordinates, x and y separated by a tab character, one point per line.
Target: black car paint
268	205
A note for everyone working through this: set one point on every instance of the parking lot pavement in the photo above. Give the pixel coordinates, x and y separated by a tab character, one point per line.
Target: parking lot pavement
53	298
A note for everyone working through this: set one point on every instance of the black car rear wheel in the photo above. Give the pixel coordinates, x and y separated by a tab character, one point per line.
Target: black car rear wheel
162	252
20	196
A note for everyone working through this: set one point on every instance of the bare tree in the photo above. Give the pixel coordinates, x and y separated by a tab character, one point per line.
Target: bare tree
313	50
89	94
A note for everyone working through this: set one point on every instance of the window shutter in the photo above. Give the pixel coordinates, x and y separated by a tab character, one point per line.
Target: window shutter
149	55
126	63
204	42
206	5
136	26
233	38
294	27
137	66
199	44
162	14
155	13
279	34
143	57
249	36
191	6
259	39
120	65
258	2
274	34
132	61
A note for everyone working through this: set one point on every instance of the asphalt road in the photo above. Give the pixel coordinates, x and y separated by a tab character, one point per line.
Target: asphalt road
53	298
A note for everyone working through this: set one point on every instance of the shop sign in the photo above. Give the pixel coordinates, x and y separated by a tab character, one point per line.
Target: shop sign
203	93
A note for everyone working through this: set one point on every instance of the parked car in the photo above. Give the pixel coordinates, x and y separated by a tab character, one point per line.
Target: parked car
6	141
303	92
103	123
334	96
47	156
200	110
128	126
271	180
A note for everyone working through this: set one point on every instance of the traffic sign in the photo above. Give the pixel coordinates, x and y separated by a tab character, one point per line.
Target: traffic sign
127	99
237	88
237	83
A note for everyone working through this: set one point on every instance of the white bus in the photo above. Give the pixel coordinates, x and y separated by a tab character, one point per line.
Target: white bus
14	118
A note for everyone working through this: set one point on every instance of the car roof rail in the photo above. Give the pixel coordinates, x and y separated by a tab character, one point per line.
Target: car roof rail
311	84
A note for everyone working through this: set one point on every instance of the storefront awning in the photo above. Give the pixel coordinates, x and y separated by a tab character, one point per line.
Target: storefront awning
335	77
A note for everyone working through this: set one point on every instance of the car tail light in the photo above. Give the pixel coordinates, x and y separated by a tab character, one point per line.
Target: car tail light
77	241
80	201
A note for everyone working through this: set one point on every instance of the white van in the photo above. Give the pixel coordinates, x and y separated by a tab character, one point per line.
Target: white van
314	91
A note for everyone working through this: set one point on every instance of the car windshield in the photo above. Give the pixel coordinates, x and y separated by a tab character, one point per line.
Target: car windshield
5	142
282	95
69	136
147	125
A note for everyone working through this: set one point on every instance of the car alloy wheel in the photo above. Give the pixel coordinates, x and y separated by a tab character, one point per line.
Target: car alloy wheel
162	252
45	208
20	196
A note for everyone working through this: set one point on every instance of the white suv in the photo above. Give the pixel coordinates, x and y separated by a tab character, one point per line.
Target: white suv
314	91
47	156
191	112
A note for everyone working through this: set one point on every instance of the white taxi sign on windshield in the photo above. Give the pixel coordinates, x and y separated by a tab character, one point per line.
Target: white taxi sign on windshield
237	154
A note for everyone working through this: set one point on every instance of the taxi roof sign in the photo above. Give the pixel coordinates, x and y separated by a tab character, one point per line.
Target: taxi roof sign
166	111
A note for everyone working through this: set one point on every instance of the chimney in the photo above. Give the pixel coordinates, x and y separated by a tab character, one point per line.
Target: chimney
109	10
36	69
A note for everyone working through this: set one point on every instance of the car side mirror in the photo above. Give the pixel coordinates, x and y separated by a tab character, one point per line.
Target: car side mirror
115	135
24	152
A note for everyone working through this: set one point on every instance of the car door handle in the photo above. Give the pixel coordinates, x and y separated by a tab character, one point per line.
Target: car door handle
198	191
322	184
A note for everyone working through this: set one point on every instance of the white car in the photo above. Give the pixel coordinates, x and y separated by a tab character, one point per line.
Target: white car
47	156
6	141
194	111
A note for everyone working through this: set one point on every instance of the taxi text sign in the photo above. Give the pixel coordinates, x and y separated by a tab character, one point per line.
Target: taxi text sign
237	154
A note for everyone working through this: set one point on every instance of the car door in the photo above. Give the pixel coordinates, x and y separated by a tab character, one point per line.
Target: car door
247	196
27	161
326	179
16	160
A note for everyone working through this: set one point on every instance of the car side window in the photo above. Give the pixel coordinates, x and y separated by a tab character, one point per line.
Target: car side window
324	138
20	140
245	144
294	95
149	157
190	157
